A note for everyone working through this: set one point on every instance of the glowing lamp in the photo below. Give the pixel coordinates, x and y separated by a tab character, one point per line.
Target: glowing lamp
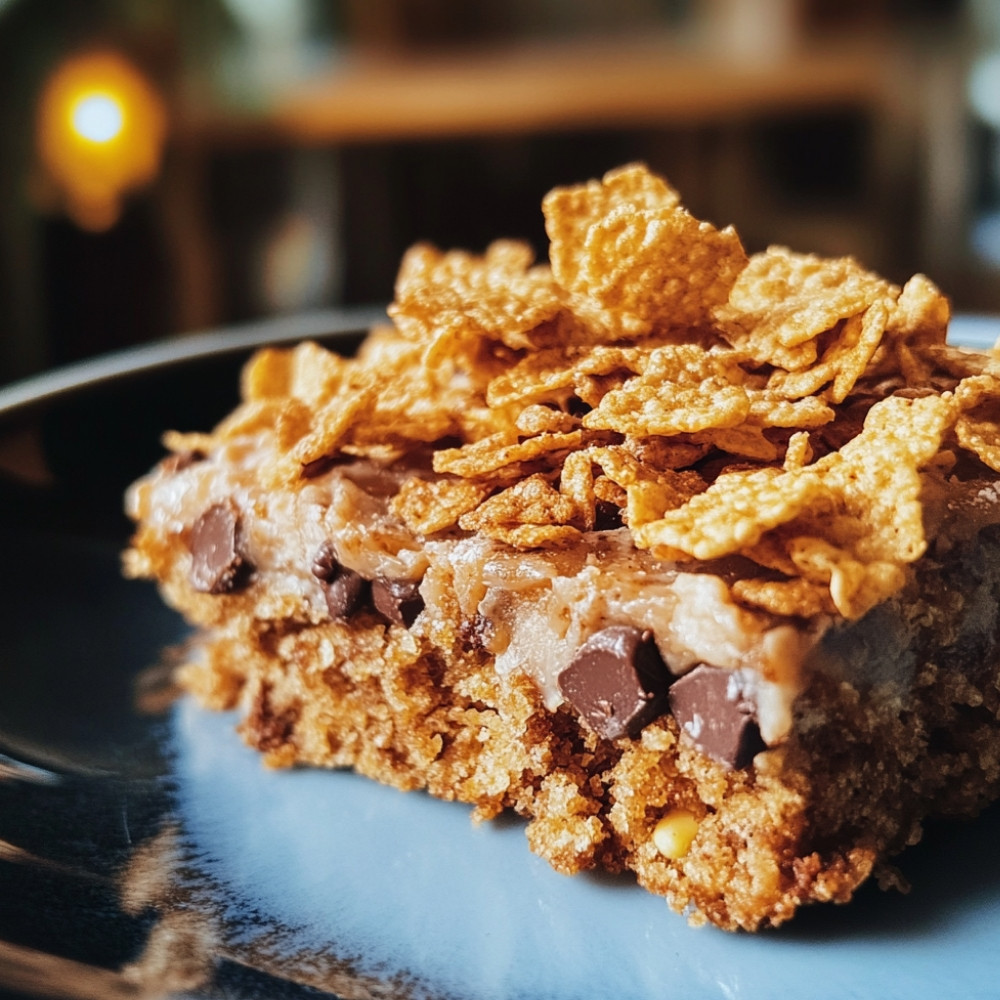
100	134
98	117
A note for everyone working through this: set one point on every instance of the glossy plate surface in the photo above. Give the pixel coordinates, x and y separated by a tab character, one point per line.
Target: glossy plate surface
144	851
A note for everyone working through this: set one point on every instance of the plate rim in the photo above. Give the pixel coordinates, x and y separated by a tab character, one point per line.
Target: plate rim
974	330
45	387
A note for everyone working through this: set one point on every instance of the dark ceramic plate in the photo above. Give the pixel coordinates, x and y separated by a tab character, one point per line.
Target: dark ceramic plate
144	852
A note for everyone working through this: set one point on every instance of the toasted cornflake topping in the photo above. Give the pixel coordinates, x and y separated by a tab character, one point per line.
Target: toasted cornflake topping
784	408
430	506
634	258
446	298
782	301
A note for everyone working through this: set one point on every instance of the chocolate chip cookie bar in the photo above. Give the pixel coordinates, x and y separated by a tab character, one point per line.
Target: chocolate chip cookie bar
690	557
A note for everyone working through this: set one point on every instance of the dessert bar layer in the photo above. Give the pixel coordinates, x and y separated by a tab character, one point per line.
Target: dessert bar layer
739	763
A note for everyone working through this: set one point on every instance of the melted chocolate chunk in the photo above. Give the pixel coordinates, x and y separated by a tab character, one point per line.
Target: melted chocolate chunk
218	566
477	633
398	600
718	713
617	682
267	729
608	516
324	565
345	591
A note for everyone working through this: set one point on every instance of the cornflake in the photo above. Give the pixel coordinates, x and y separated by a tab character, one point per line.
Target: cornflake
783	301
633	259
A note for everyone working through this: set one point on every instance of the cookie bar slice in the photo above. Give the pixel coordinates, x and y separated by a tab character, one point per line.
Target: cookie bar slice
690	558
608	695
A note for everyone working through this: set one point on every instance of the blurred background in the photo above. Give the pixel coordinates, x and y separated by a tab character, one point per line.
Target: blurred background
172	165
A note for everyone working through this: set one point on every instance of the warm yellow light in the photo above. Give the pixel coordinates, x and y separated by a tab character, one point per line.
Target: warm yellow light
98	117
101	128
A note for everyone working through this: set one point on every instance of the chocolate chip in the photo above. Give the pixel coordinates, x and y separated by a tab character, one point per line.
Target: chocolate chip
346	594
717	711
266	728
345	591
608	516
324	565
398	600
218	566
617	682
477	633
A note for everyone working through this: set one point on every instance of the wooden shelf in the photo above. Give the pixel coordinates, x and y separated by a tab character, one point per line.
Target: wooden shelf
651	84
535	88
